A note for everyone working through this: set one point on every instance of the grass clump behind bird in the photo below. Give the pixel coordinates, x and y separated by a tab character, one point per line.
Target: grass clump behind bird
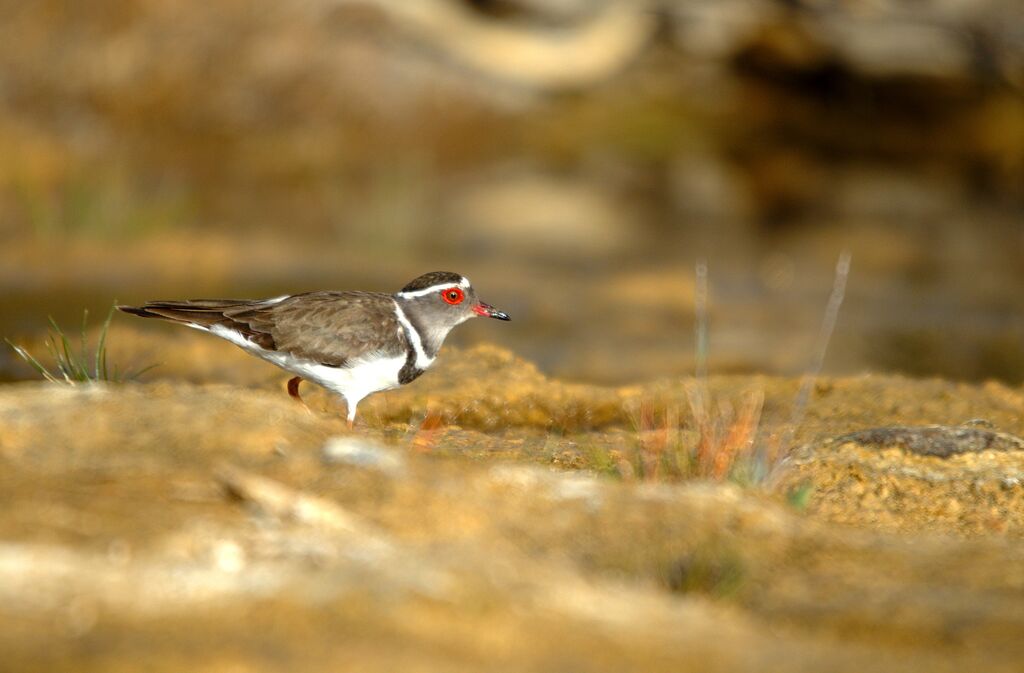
73	366
726	440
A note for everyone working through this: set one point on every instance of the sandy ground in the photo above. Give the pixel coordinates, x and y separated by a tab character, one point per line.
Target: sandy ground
478	520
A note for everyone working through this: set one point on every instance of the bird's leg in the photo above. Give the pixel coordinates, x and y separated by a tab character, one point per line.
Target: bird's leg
293	388
293	391
351	412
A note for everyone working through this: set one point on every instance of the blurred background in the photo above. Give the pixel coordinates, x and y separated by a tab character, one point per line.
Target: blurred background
574	158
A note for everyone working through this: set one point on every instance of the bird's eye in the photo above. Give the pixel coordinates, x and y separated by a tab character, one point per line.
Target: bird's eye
453	295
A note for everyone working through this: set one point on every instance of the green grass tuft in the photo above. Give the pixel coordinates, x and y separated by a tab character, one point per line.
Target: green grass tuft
718	572
73	366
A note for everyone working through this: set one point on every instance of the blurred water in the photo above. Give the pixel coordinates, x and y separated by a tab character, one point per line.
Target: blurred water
246	154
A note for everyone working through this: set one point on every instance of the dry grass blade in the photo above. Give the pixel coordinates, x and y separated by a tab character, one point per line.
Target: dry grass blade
33	362
100	365
725	436
725	433
646	459
774	452
428	431
73	367
739	437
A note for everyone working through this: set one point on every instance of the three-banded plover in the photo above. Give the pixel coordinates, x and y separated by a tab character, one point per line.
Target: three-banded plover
352	343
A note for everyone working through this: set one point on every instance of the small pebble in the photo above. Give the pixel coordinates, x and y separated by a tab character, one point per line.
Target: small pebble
361	453
229	556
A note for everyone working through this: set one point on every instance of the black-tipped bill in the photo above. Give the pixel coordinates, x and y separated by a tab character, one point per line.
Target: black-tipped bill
489	311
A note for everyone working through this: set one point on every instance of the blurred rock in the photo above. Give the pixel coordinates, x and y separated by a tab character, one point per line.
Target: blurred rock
948	40
653	293
707	190
882	47
361	453
549	11
586	52
894	196
535	213
712	29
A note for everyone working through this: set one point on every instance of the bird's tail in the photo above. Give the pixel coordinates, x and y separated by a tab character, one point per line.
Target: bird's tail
244	318
202	312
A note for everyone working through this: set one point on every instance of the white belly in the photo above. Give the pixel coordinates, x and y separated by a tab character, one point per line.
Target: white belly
354	382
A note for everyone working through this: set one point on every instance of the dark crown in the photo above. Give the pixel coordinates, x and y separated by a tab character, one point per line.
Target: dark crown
432	278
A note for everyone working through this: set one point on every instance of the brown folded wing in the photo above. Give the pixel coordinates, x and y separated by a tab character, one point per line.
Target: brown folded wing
332	328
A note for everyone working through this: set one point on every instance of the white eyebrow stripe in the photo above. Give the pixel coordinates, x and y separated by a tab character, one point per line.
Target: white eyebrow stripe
464	283
422	360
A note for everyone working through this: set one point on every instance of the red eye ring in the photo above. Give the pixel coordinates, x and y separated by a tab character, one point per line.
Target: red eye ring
453	295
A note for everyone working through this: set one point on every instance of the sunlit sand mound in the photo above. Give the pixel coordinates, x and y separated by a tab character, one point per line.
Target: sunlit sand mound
489	388
487	403
230	528
956	478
